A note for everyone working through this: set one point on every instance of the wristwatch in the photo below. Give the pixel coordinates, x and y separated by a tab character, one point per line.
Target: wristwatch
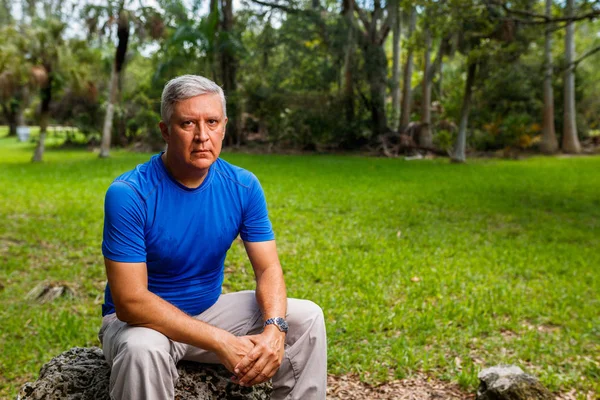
279	322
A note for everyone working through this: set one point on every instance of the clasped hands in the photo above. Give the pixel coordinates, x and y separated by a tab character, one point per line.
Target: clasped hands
254	359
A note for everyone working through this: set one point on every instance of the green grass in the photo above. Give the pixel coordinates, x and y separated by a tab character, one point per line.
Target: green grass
419	266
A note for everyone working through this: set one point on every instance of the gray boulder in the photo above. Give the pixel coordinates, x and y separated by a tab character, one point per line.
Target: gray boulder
509	382
82	374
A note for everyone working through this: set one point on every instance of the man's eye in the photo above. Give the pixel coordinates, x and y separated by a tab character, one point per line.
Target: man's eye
212	121
186	123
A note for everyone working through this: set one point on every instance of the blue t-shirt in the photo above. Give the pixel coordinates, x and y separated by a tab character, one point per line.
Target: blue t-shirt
182	234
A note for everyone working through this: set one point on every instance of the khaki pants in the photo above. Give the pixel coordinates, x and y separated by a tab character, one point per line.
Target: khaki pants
143	360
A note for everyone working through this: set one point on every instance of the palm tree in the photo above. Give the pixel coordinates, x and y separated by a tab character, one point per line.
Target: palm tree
18	76
49	40
143	20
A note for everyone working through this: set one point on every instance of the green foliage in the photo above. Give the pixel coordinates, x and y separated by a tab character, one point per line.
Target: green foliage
444	139
419	266
290	66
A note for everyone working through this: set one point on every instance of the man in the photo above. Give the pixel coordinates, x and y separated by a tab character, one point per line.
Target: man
168	225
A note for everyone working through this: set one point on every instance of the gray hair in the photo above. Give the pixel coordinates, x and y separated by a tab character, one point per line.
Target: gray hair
184	87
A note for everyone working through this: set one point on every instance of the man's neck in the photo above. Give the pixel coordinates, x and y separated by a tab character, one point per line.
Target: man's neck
189	180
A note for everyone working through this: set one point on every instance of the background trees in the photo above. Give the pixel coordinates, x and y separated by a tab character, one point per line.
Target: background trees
317	74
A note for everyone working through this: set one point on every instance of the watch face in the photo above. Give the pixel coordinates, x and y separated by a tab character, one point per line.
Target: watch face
281	323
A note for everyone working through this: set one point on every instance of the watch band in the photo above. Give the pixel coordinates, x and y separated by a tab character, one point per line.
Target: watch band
279	322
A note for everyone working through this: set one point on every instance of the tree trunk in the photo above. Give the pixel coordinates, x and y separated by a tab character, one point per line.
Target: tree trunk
570	141
425	137
408	67
14	108
438	68
376	67
108	118
46	97
396	30
113	97
11	118
229	66
348	85
461	140
549	144
12	128
212	55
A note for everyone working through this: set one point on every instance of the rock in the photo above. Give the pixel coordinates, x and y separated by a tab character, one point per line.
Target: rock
82	374
509	382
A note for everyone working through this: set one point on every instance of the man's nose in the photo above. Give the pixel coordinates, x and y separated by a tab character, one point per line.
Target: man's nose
201	133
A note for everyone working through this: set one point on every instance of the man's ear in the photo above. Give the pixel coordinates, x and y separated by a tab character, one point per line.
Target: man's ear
164	130
224	128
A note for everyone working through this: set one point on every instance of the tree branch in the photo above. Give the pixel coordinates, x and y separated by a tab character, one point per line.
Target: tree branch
287	9
585	55
542	18
363	17
387	24
312	14
438	58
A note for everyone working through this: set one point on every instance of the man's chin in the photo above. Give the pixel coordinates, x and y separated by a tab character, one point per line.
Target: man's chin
203	162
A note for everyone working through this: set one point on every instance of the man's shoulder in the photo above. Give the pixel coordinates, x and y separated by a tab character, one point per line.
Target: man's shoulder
141	179
234	174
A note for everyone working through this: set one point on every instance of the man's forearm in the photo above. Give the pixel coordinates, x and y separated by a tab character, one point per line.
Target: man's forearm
271	293
150	311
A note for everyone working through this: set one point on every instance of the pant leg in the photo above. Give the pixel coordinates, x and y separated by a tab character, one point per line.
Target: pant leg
303	372
143	361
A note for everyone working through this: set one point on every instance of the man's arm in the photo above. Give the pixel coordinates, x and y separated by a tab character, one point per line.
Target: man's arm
137	306
261	363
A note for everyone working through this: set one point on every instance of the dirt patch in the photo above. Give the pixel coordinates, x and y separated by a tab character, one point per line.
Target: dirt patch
574	395
420	387
6	243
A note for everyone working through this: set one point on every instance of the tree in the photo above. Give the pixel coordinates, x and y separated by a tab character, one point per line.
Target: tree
425	137
49	35
570	140
349	60
17	75
458	154
143	20
549	144
408	70
229	45
371	40
396	33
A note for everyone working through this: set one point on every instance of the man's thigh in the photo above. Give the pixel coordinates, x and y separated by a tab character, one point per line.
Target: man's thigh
116	336
237	313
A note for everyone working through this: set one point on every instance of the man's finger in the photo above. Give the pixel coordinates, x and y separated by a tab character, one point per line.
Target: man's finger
244	365
263	369
264	376
255	371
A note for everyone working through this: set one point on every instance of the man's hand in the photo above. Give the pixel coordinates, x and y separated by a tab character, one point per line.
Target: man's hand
263	361
234	350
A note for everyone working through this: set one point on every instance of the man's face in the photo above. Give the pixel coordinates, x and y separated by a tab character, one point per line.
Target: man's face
195	132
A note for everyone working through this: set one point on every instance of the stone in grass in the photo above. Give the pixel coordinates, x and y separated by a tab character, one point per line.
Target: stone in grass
509	382
83	374
49	291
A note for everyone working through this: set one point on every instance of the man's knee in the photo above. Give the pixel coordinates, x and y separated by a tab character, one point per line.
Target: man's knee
305	314
142	345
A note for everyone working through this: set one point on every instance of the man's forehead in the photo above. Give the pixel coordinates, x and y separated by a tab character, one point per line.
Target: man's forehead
209	102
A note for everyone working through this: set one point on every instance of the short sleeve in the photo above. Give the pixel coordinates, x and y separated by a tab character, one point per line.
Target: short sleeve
256	226
124	219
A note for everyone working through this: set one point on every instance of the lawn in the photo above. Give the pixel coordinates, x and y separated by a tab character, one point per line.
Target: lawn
420	266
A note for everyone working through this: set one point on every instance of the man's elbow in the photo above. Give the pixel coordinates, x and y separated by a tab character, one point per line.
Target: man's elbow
125	314
129	310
